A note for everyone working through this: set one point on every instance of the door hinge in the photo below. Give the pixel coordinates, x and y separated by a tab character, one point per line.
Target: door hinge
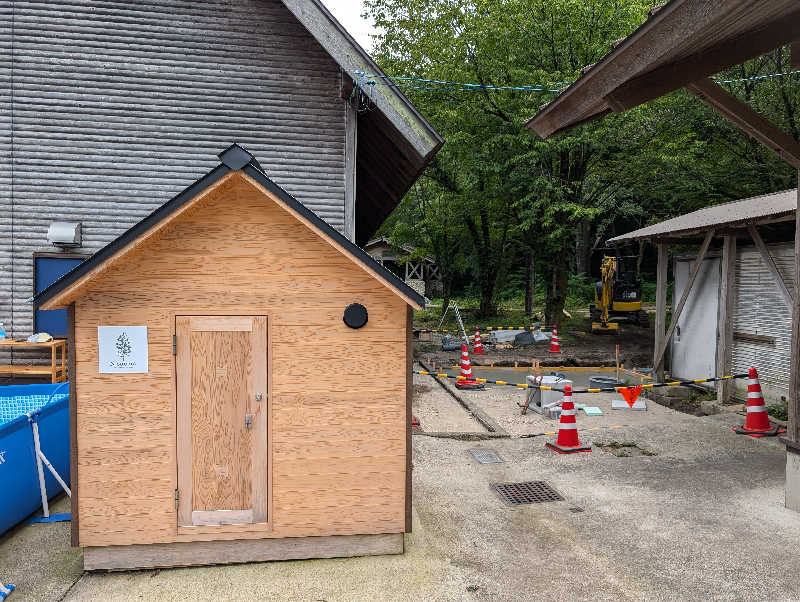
177	497
174	344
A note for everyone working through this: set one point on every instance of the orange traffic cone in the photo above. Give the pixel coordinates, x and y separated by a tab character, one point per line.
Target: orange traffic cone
555	346
567	441
477	349
757	423
466	380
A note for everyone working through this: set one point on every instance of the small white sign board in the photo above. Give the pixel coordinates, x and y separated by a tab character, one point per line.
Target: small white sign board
122	349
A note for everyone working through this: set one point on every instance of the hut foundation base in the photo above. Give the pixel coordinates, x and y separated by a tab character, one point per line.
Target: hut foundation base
165	555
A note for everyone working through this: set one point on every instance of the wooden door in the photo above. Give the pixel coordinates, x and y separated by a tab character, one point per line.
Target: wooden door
221	379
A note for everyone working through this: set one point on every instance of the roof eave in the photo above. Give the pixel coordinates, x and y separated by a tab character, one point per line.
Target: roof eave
686	232
351	57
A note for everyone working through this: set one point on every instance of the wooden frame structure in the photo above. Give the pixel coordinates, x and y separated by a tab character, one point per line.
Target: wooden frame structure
730	238
682	44
228	447
56	370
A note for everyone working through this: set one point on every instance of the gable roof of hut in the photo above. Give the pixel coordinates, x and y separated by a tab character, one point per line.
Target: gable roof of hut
234	159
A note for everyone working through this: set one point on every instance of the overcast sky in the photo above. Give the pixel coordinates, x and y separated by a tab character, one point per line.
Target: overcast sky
348	13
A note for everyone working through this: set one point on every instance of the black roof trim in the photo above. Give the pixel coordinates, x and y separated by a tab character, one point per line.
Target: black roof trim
233	155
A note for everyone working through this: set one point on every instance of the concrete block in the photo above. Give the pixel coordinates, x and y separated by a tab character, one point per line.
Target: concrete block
621	404
709	407
792	480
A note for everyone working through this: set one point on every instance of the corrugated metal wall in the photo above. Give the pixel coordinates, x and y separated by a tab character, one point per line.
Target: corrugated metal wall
761	310
119	105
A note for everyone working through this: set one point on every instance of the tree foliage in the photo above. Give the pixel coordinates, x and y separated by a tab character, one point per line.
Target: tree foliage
497	192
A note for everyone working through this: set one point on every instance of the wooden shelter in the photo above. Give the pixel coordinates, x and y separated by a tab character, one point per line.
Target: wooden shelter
253	399
421	273
683	43
738	308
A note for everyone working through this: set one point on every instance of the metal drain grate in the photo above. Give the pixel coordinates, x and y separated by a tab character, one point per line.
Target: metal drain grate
529	492
485	456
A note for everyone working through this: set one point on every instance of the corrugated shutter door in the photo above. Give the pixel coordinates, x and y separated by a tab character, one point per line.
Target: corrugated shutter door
761	310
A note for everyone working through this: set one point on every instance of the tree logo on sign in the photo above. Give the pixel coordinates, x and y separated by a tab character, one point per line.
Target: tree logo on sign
124	347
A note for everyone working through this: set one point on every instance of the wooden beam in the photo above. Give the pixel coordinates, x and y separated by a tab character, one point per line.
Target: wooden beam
659	357
747	119
725	316
676	74
165	555
661	311
73	426
766	256
793	432
677	240
409	414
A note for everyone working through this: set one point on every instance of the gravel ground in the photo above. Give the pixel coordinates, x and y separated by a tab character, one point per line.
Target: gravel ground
703	519
501	403
438	411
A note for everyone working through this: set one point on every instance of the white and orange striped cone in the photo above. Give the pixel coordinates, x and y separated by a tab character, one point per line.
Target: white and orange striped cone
757	423
567	440
555	346
466	380
477	348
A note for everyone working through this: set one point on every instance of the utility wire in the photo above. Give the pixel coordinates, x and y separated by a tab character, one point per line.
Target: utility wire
363	79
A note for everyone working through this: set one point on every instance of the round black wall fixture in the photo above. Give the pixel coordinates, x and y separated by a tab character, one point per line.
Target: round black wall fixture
355	315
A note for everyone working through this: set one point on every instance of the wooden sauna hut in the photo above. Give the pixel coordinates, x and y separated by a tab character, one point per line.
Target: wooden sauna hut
240	384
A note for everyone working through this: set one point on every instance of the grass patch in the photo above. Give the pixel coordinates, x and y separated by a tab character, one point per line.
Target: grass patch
779	410
615	444
623	449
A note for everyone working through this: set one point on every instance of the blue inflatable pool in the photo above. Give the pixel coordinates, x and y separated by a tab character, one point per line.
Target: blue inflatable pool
18	471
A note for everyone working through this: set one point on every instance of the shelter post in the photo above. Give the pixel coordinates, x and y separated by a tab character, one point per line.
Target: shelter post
725	316
793	433
792	439
661	312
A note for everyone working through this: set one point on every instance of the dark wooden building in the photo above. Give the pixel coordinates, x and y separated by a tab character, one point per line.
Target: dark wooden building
107	108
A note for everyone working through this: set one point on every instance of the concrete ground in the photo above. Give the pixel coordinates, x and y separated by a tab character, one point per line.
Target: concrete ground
38	560
701	520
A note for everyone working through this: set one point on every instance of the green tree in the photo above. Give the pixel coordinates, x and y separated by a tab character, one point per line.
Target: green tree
512	186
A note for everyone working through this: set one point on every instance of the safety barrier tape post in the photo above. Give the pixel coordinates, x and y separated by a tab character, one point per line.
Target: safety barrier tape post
674	383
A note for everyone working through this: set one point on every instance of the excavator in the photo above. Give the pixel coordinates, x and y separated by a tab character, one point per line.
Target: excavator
617	295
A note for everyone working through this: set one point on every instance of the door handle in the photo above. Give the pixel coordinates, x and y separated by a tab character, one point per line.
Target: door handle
248	421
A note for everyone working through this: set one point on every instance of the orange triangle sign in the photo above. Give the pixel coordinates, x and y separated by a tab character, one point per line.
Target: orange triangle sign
631	394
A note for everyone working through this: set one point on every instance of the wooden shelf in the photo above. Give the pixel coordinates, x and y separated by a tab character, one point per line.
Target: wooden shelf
57	368
20	369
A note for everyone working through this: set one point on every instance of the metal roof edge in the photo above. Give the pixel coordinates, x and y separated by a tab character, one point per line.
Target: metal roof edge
641	232
324	27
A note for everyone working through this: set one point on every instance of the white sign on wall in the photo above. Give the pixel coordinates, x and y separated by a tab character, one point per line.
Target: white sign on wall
122	349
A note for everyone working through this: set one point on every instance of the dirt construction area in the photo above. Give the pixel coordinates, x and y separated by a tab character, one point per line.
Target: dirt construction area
579	348
671	506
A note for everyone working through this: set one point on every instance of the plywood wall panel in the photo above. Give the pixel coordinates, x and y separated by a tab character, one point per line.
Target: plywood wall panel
337	395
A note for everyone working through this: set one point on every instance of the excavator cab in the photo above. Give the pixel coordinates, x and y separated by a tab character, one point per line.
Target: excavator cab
618	295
